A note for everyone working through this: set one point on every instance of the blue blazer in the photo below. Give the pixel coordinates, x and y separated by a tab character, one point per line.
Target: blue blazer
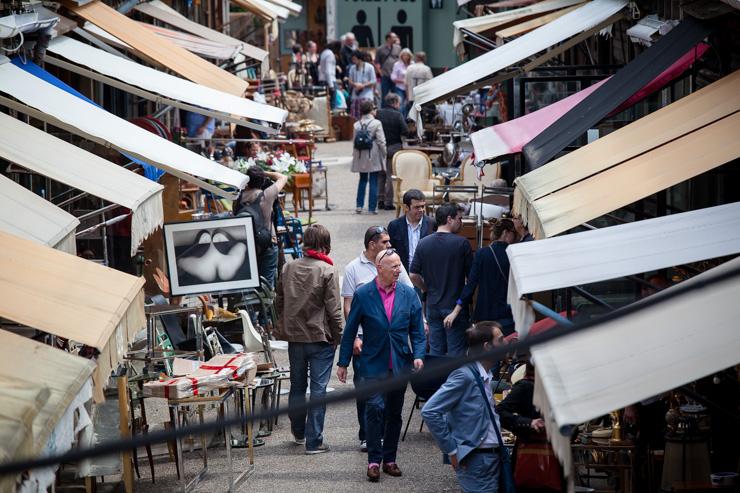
383	340
398	230
456	414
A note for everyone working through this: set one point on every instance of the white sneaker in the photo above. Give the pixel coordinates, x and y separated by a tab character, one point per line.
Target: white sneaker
363	445
299	441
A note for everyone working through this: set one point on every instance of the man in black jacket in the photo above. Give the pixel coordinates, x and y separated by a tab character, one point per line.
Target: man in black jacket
409	229
394	127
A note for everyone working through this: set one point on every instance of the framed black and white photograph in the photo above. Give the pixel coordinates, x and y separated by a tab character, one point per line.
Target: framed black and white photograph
211	256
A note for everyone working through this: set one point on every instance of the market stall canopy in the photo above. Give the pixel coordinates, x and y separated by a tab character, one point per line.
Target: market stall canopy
626	82
158	50
63	162
197	97
72	298
568	30
195	44
164	13
263	9
67	111
294	8
689	137
530	25
639	355
487	22
43	379
25	214
510	137
626	249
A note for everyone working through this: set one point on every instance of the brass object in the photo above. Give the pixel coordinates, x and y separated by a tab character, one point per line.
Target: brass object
617	438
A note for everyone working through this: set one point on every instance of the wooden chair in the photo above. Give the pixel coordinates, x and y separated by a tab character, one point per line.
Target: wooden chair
412	169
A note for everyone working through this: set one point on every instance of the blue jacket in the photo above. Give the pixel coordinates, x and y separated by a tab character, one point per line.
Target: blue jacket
382	340
398	230
456	414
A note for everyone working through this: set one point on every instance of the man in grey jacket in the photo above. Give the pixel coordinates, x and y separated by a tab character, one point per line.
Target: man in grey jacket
457	417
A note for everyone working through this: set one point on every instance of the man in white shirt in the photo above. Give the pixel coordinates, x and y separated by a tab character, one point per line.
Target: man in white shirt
358	272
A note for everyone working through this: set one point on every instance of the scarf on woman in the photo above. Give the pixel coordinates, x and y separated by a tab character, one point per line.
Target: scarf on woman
319	256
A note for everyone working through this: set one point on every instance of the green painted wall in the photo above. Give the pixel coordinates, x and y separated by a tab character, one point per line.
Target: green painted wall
428	29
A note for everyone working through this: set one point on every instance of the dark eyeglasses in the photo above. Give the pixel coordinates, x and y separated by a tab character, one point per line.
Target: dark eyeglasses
388	252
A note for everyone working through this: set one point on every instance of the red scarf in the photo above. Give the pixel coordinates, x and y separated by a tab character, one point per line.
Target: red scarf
319	256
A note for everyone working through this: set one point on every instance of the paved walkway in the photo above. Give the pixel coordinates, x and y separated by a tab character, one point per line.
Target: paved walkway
281	465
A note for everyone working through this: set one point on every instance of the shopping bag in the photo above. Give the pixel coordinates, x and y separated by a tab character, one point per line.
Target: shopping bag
537	467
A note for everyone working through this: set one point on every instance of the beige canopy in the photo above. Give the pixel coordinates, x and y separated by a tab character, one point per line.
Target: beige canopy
157	49
38	383
678	142
164	13
72	298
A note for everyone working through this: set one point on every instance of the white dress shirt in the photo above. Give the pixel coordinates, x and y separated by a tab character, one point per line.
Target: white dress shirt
414	233
490	440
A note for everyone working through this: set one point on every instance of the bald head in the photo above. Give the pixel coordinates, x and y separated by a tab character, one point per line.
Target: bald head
388	264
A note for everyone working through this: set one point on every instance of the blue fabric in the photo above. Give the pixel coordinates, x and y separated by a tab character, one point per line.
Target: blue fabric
480	473
193	121
386	86
455	414
492	283
309	361
267	264
398	230
442	341
381	339
372	199
150	171
383	420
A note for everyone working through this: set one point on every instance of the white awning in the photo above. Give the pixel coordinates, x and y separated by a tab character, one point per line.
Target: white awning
25	214
63	162
293	8
71	113
591	16
483	23
164	13
686	138
639	355
166	85
616	251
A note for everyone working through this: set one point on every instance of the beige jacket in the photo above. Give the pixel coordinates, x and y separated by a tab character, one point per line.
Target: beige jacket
373	160
308	304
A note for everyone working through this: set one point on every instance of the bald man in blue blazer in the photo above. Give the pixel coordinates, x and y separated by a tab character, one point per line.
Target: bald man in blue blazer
390	314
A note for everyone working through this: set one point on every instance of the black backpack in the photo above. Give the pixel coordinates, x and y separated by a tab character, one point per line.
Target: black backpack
363	138
262	233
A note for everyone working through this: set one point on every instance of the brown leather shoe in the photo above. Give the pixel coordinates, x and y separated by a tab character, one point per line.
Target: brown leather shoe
392	469
373	474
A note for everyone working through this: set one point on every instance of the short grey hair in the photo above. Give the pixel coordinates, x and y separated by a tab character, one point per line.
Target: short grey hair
392	99
421	56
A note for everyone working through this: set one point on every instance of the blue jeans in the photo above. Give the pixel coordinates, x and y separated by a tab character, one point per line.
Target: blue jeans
480	472
357	380
401	94
267	264
452	341
309	360
383	420
372	200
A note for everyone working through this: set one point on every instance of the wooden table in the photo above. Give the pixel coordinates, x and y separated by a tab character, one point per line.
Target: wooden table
426	149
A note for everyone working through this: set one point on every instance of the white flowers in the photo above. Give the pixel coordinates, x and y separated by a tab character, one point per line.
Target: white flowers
281	162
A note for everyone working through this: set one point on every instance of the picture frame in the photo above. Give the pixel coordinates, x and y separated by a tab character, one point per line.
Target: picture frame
215	255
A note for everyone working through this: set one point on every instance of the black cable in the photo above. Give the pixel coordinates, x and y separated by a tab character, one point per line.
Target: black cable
397	382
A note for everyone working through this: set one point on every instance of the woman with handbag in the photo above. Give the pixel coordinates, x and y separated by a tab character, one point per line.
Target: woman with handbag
489	274
536	469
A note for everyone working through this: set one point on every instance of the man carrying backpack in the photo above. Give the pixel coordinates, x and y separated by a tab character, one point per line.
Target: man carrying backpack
256	200
368	155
